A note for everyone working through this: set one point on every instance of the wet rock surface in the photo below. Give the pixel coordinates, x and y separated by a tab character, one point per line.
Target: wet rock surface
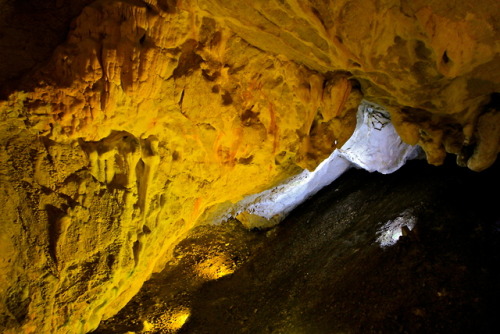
323	271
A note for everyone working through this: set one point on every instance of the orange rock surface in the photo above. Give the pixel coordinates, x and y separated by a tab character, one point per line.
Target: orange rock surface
153	116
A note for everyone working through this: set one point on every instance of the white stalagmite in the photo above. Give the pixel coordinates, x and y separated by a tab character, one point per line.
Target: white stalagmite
374	146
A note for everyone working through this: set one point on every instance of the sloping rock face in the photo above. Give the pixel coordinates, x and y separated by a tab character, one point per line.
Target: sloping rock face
408	252
154	115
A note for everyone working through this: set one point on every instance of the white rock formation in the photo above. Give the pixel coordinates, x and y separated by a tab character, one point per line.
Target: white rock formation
374	146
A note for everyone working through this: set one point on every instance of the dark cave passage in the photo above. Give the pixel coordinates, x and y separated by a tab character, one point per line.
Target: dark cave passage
323	271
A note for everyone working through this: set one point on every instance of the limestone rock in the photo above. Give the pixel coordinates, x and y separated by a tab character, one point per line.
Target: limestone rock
153	114
434	63
140	123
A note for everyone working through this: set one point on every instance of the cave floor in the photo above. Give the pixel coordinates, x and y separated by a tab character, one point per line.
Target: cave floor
323	271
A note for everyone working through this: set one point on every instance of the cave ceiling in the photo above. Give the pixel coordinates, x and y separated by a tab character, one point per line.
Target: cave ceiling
124	124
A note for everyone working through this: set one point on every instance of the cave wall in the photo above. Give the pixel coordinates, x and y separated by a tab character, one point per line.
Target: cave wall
434	63
153	115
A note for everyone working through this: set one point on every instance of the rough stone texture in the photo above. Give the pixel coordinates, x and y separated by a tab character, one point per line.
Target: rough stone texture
434	63
29	32
153	115
325	268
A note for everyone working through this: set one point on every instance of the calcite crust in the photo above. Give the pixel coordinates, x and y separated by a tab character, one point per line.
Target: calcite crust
154	115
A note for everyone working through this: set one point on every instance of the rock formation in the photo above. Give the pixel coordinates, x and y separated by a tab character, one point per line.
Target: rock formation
152	116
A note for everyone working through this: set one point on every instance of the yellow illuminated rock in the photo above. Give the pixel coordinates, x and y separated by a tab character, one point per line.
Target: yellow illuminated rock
174	320
250	221
154	114
215	267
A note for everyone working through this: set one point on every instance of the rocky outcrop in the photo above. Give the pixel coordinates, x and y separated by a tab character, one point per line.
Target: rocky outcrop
153	116
434	64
